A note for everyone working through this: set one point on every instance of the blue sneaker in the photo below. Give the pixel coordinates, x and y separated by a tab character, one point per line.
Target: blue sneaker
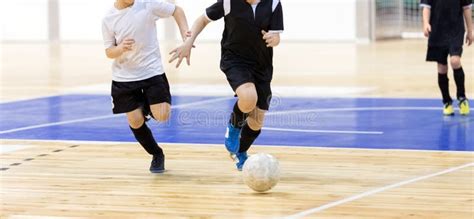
242	157
232	139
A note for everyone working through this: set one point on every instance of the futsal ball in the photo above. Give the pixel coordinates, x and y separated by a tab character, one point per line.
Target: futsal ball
261	172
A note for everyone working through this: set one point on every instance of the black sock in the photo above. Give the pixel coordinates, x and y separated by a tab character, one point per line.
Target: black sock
459	79
247	137
144	136
237	118
443	83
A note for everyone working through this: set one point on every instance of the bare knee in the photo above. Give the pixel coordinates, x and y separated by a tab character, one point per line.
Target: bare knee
163	117
135	119
442	69
456	62
247	103
161	111
247	95
256	119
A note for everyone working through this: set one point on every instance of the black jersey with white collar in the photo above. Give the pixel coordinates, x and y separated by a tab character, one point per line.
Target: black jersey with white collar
242	43
447	21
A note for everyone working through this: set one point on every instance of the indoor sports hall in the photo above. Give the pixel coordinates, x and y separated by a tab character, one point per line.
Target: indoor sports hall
356	120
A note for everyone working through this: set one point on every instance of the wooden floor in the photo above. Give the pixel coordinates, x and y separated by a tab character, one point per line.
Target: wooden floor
90	180
391	68
93	180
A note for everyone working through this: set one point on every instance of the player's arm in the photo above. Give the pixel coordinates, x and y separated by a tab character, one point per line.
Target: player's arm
426	21
272	36
164	9
184	51
182	22
426	15
468	19
213	13
114	52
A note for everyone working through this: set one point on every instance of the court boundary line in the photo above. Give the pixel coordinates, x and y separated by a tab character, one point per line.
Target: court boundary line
355	109
296	96
30	98
196	103
227	98
324	131
222	145
376	191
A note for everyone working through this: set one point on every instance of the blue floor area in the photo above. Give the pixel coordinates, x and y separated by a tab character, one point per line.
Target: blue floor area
346	122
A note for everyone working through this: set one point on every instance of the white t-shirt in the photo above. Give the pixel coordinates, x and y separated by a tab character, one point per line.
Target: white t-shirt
137	22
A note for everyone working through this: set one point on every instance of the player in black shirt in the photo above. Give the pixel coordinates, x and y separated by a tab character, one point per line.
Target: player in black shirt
252	29
444	24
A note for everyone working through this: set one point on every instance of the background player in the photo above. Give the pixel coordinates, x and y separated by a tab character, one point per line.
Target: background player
443	24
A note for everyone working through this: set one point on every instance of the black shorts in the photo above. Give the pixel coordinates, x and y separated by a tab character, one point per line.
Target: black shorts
440	53
238	76
129	96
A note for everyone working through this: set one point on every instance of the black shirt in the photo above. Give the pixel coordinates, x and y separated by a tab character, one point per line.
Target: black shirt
242	43
447	21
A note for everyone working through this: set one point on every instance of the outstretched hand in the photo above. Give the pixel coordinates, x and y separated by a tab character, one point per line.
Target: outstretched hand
181	52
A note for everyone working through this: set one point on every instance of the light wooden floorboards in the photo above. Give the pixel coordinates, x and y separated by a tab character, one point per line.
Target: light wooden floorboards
112	180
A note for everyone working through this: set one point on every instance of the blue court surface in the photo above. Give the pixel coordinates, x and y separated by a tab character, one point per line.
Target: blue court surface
313	122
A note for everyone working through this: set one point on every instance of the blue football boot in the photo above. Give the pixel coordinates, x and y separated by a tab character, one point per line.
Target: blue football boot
232	140
241	157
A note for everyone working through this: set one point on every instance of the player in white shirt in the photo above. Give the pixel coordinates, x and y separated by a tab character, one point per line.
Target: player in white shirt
139	84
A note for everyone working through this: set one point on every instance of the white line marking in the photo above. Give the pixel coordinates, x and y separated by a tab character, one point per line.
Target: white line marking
325	131
220	145
106	117
355	109
375	191
6	148
185	105
57	123
28	98
224	90
342	110
269	113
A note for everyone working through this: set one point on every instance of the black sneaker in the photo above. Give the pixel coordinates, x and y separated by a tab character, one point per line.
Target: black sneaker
158	164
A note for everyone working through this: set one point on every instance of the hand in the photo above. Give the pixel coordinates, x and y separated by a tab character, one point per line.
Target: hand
186	35
183	51
469	37
272	39
126	45
427	29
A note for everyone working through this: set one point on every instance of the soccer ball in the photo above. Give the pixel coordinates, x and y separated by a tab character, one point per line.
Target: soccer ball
261	172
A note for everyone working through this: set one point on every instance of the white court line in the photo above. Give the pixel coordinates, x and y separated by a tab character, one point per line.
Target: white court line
324	131
107	117
57	123
85	142
28	98
342	110
224	90
6	148
269	113
375	191
354	109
